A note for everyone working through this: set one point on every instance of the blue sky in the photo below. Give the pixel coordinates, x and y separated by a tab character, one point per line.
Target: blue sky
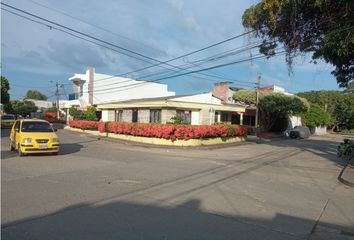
35	56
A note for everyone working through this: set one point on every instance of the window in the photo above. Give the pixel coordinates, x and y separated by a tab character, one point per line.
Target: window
36	127
185	115
135	115
119	115
224	117
155	115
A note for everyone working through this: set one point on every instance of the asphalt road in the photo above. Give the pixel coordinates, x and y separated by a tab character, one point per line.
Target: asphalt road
99	189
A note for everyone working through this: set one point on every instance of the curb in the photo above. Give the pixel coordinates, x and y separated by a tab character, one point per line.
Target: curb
341	179
145	145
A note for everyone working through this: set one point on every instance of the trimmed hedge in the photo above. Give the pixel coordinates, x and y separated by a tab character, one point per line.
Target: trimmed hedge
166	131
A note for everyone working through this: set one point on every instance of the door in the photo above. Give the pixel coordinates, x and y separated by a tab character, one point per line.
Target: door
135	115
14	134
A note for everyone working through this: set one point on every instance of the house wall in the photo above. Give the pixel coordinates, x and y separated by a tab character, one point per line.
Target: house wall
108	115
195	118
207	98
222	91
144	115
167	114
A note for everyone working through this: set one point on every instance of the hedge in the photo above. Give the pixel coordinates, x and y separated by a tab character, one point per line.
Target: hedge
166	131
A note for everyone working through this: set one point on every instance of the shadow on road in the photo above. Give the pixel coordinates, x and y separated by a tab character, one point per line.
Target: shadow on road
324	148
127	220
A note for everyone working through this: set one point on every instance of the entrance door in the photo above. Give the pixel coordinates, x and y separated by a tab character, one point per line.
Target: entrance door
235	118
135	115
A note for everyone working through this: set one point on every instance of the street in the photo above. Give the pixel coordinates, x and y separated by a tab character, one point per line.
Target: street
109	189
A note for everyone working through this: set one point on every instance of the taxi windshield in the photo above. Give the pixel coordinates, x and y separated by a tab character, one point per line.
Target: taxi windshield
36	127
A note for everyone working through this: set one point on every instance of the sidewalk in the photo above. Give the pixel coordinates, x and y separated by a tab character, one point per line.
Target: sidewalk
347	174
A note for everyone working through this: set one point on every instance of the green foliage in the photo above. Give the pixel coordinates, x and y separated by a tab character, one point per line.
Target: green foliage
316	116
5	87
340	106
23	108
77	114
34	94
246	96
176	120
90	114
277	106
322	27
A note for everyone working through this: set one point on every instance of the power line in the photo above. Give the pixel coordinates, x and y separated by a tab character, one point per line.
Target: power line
91	24
129	86
114	45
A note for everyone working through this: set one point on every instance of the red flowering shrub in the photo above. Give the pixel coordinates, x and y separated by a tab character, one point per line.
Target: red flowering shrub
52	117
84	125
166	131
174	132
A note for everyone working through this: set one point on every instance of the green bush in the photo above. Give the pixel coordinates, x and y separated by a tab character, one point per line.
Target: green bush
316	116
90	114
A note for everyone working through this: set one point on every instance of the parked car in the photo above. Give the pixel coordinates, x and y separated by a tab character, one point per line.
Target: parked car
299	132
33	136
7	120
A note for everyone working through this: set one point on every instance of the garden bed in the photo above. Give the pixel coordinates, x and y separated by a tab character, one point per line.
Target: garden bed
161	134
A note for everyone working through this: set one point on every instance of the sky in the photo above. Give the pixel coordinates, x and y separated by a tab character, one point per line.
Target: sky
34	56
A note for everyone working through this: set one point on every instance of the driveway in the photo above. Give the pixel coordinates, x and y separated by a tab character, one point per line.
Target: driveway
99	189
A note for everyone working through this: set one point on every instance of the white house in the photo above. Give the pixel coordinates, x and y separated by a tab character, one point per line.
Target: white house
94	88
198	109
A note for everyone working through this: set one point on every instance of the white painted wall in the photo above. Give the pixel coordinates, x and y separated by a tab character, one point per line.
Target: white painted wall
294	121
108	88
199	98
108	115
195	118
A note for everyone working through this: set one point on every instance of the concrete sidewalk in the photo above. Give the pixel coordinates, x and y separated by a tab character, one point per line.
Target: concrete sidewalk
347	174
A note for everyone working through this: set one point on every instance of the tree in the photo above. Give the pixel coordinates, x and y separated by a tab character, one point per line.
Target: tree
246	96
34	94
90	113
316	116
322	27
338	104
5	87
23	108
77	114
275	108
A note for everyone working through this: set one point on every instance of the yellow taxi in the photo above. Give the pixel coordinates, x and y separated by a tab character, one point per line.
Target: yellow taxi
33	136
7	120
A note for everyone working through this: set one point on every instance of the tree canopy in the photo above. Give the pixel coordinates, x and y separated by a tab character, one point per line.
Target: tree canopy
276	107
23	108
34	94
246	96
339	105
5	87
316	116
322	27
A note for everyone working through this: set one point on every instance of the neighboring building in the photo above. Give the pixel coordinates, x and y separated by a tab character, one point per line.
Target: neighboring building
196	109
274	89
94	88
40	104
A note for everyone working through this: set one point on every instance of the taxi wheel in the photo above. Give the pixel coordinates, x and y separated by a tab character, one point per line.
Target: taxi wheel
20	153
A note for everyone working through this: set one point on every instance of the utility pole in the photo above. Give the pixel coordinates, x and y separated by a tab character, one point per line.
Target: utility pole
257	99
57	104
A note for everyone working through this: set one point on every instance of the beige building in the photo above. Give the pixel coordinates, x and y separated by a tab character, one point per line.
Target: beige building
200	109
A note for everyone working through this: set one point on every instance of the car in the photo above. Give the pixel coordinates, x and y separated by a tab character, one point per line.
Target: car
33	136
7	120
299	132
